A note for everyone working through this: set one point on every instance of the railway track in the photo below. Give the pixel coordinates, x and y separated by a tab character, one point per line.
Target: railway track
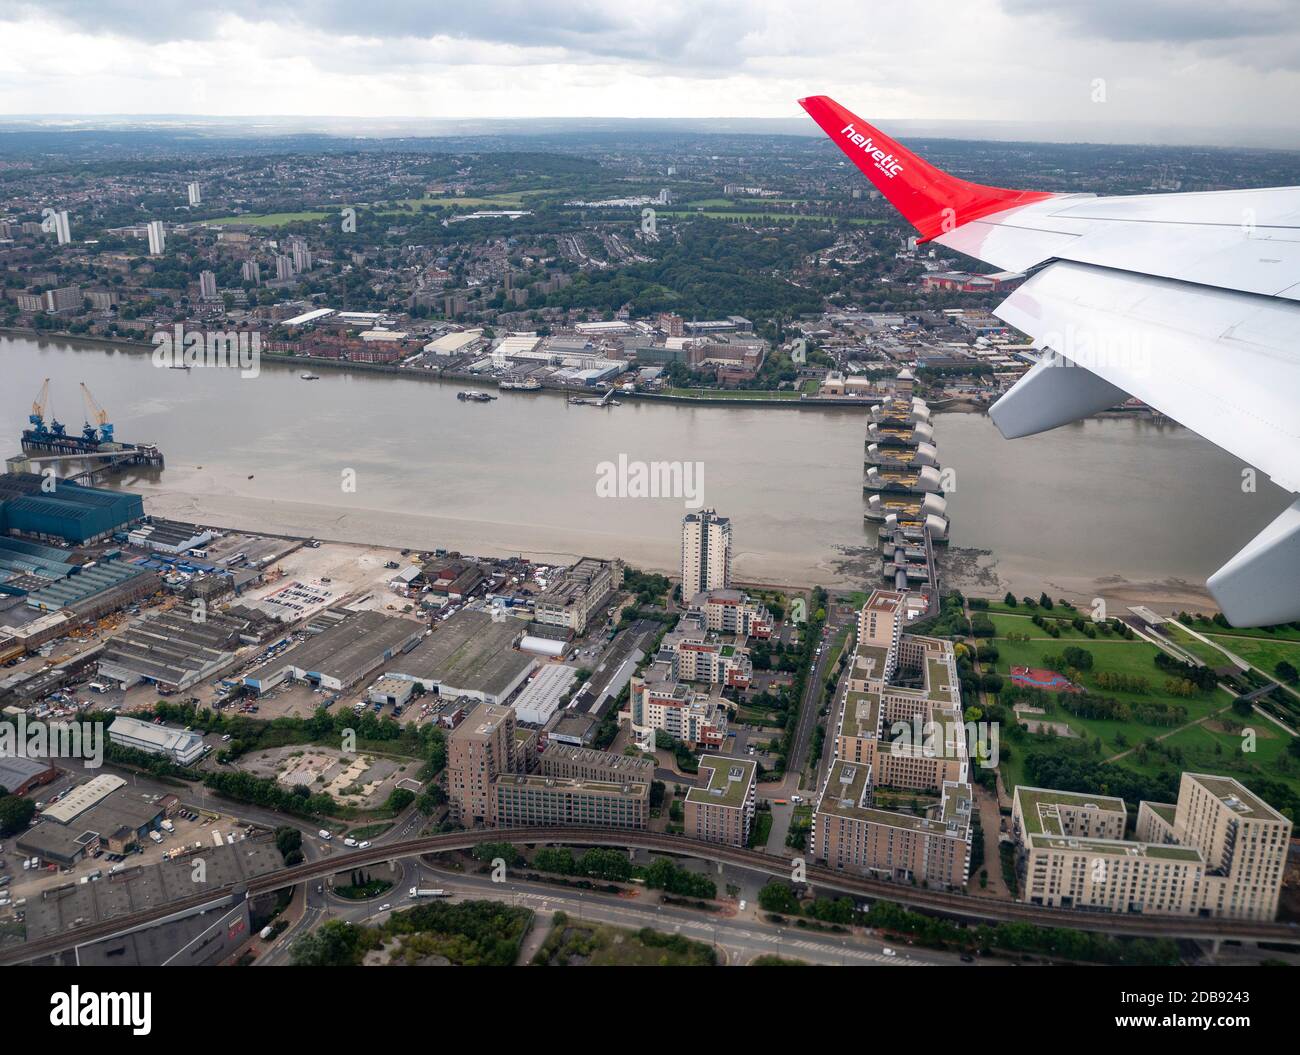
962	906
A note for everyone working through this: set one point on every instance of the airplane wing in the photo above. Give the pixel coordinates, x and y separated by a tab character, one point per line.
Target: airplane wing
1190	302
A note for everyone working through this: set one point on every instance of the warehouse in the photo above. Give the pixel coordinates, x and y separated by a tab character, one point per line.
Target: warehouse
541	697
180	747
339	657
72	513
96	589
174	652
82	798
55	844
19	775
470	655
169	536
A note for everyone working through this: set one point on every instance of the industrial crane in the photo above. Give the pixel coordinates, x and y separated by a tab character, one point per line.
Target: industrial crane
37	416
99	416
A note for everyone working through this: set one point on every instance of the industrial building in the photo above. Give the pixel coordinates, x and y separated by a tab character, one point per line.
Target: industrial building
470	655
82	798
172	651
19	774
116	895
337	658
182	748
541	697
167	536
70	512
100	813
49	579
578	593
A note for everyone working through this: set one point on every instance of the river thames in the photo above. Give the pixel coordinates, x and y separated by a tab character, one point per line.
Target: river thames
1119	506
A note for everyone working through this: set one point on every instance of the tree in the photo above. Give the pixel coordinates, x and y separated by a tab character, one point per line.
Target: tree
1009	600
778	897
334	944
1286	672
16	814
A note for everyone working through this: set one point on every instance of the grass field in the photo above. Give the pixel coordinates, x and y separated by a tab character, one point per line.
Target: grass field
1117	655
1215	745
1281	633
272	219
499	201
1260	652
1207	654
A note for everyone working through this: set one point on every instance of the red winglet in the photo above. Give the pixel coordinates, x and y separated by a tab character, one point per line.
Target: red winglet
931	200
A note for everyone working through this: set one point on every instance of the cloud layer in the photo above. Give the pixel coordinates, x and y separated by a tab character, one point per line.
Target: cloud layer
1216	64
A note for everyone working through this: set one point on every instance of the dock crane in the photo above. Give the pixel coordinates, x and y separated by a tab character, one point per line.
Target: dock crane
37	416
99	416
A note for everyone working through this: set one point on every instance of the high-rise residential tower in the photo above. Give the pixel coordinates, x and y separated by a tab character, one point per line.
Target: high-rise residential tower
706	553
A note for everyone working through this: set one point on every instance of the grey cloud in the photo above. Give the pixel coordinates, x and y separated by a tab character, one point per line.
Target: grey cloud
671	34
1263	34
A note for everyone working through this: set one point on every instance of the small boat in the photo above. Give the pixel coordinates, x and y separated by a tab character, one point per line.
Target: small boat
475	397
309	377
181	366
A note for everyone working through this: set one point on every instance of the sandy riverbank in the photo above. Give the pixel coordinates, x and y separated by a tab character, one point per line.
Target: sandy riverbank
974	572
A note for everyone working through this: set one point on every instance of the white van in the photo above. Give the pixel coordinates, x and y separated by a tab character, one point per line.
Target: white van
325	835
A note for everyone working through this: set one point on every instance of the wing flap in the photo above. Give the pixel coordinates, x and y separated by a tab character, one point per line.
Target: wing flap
1222	363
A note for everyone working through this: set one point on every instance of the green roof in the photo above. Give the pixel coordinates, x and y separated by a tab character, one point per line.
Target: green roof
1236	796
721	789
1038	807
1115	848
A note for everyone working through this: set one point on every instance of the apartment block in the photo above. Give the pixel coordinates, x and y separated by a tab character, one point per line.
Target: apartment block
721	808
586	763
897	801
66	299
1220	851
578	594
660	702
520	801
706	552
479	750
733	612
713	662
927	844
1076	815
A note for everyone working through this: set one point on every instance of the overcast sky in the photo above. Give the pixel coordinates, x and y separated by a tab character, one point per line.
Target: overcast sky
1207	63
